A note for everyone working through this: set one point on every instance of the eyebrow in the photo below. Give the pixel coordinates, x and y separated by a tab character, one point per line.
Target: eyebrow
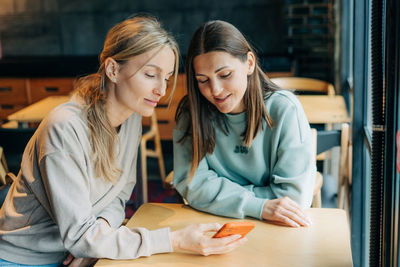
157	67
217	70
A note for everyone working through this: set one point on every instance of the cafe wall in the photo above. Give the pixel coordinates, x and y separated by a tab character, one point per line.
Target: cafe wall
78	28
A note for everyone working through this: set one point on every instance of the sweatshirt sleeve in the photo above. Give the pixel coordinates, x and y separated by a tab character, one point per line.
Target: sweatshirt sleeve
114	213
84	236
208	191
293	162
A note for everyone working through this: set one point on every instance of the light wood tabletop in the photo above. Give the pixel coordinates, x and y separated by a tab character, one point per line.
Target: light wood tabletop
318	109
325	243
324	108
37	111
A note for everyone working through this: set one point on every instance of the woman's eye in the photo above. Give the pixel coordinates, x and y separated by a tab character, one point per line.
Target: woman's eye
202	81
226	75
149	75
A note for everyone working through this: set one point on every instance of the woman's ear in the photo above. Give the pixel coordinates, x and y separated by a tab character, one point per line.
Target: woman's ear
111	69
251	61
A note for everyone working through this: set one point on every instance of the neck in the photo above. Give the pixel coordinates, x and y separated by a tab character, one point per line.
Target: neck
116	113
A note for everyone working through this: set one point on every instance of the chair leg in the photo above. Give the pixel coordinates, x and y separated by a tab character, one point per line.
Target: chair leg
158	151
160	159
144	171
316	202
340	197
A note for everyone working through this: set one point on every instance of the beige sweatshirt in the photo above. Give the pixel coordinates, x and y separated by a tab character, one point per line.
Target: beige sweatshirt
53	206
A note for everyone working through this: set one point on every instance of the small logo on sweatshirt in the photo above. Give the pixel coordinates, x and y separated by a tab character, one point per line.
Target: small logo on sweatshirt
241	149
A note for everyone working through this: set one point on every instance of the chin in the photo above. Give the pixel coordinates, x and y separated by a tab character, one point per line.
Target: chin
146	112
224	110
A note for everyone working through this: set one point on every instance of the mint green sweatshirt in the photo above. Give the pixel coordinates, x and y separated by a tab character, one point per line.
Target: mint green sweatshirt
234	180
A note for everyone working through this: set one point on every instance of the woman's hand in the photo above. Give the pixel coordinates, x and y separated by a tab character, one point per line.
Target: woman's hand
71	261
193	238
285	211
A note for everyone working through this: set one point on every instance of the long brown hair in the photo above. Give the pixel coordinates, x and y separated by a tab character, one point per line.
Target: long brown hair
124	41
221	36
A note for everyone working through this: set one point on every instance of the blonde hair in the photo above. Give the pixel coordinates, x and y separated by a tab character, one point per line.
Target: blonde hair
130	38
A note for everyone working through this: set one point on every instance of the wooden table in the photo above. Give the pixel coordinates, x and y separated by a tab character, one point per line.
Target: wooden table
324	108
325	243
318	109
37	111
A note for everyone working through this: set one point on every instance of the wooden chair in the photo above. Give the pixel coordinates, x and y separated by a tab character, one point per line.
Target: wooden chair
304	85
161	125
316	201
326	140
3	167
311	85
6	177
152	135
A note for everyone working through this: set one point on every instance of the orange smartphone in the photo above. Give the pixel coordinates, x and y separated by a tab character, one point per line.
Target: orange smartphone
234	228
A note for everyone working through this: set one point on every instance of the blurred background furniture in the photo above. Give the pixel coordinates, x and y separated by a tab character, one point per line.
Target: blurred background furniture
326	140
3	167
324	109
153	135
302	84
35	112
17	93
166	108
318	99
316	201
159	128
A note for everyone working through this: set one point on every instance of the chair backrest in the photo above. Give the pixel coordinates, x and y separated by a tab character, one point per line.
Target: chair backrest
13	142
3	168
166	109
327	139
338	138
304	84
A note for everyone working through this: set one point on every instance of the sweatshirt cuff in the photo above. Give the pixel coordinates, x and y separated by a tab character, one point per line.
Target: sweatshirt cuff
160	241
254	207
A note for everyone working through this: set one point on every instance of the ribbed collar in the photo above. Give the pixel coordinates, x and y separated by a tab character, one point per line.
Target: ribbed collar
236	118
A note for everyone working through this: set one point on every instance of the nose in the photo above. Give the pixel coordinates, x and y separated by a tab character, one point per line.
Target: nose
161	88
215	88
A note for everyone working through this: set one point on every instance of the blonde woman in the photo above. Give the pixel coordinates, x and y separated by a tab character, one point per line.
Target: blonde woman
79	168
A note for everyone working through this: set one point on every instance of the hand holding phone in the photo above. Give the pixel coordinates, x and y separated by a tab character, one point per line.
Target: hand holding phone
234	228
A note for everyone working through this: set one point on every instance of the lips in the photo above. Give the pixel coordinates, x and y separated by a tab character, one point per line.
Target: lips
151	102
221	99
